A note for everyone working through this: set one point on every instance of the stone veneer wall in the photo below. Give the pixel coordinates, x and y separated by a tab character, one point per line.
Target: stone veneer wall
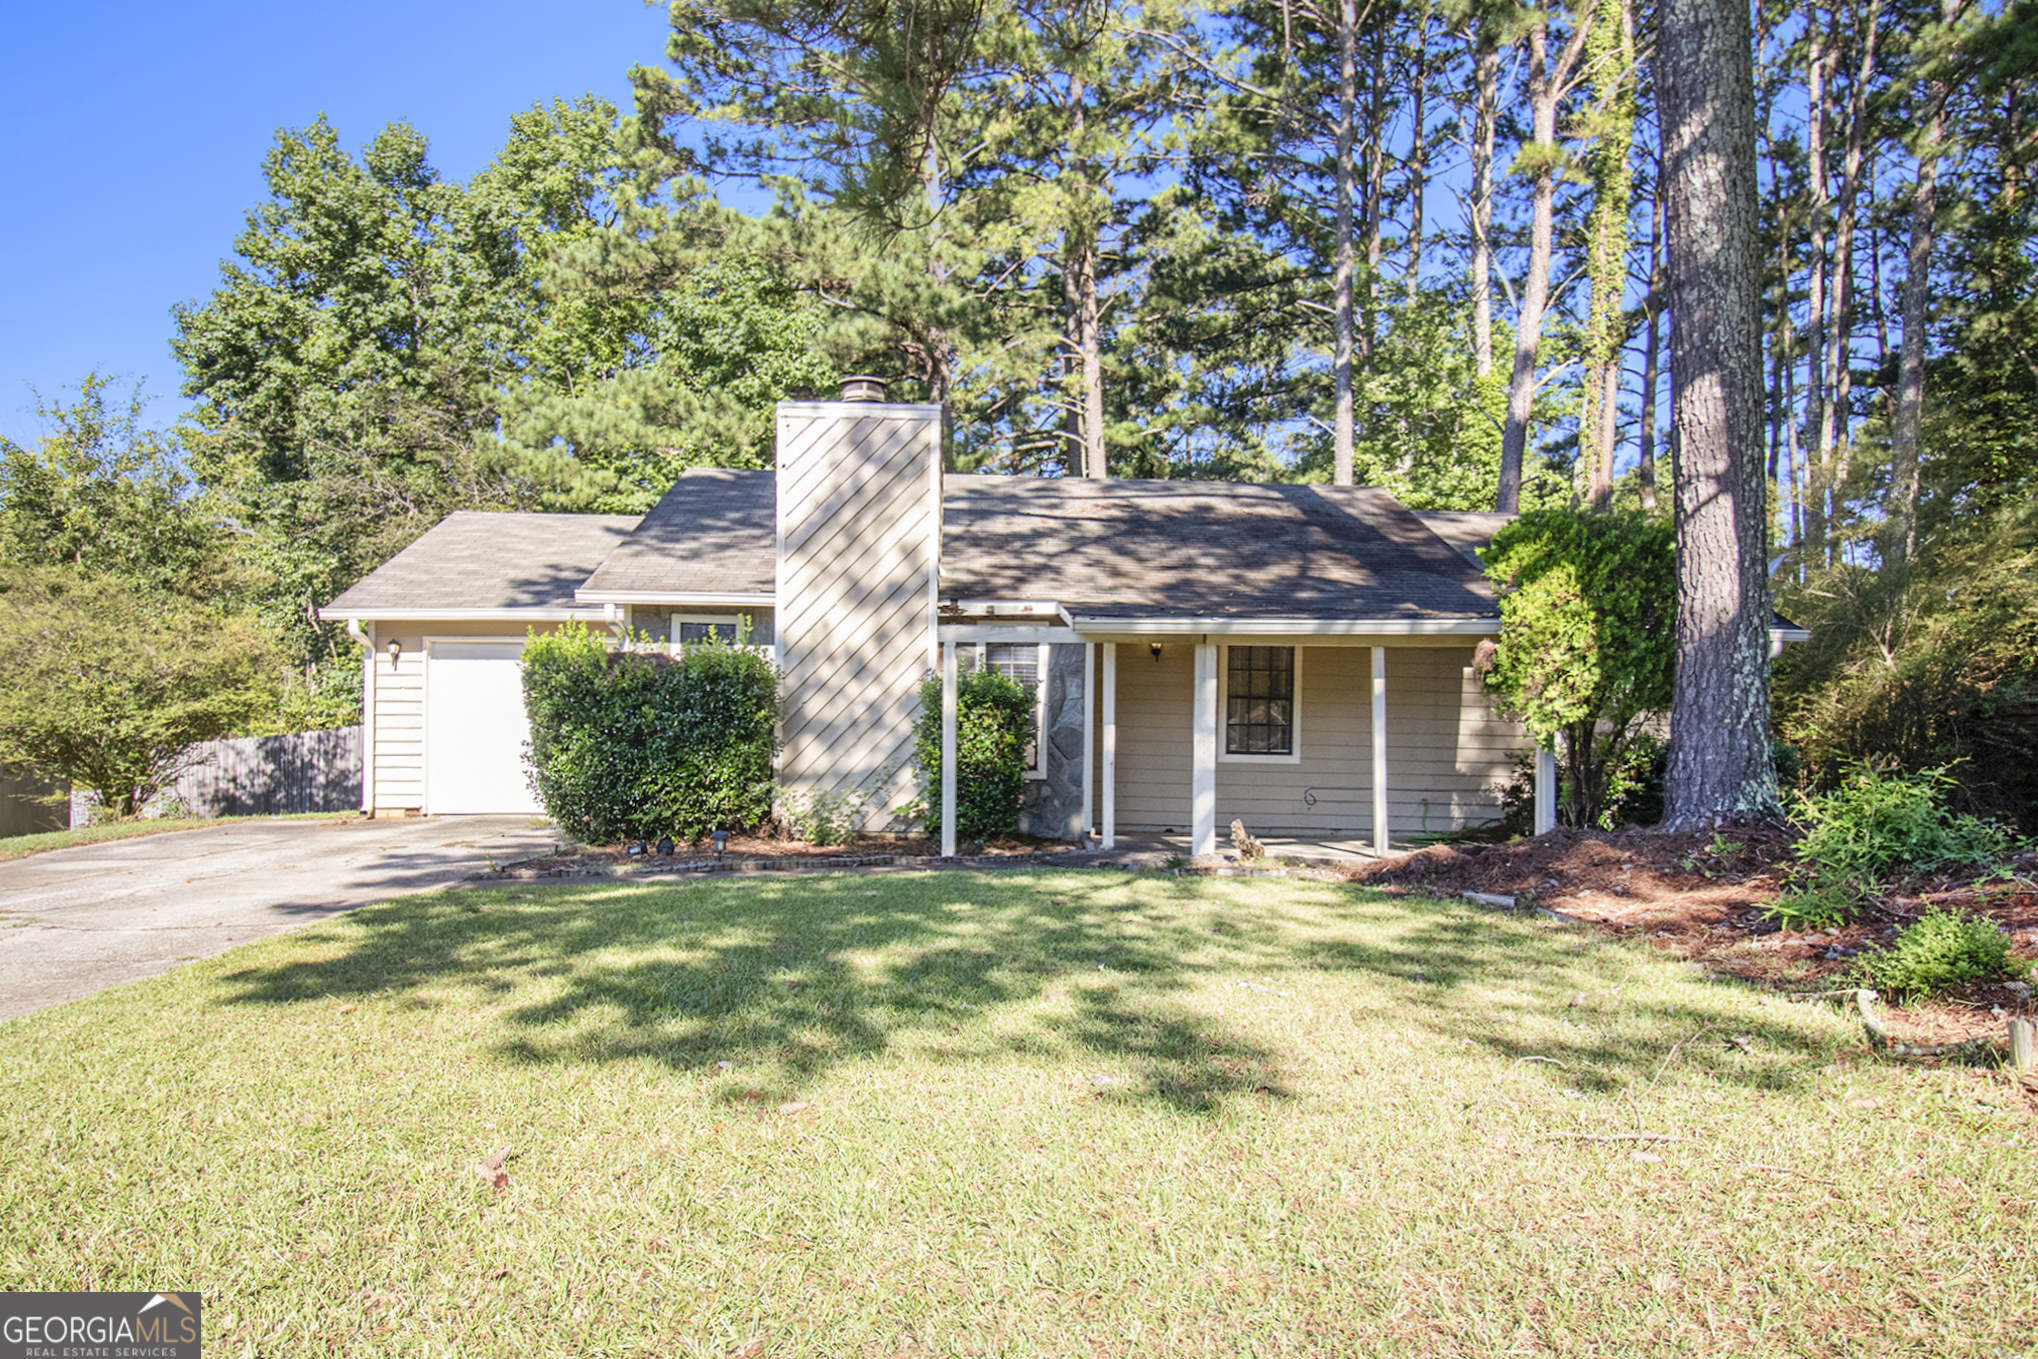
1054	805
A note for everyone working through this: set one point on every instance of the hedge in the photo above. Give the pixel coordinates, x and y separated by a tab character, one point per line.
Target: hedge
993	727
631	745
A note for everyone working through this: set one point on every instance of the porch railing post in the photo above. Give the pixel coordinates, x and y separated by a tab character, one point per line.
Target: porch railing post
948	704
1203	756
1381	811
1110	770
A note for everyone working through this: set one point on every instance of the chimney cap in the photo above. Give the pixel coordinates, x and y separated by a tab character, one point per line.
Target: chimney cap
863	388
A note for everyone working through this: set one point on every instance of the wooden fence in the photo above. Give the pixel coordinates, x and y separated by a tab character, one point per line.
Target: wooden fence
305	771
22	810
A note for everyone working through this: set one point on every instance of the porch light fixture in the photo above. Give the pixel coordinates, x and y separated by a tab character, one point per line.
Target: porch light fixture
1156	652
395	652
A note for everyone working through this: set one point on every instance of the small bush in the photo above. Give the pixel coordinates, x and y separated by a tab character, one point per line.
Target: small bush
1940	951
1815	908
1880	824
826	818
633	745
993	727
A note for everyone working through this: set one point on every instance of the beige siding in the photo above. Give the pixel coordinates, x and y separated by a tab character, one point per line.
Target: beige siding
396	739
859	542
1447	749
393	706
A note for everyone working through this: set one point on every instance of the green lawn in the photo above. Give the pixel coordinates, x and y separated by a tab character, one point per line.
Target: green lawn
1066	1113
41	842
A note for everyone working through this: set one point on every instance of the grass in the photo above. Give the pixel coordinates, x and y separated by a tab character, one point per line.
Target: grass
1045	1113
42	842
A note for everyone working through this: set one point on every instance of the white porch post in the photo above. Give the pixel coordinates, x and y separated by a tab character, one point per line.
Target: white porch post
948	748
1203	756
1089	739
1546	789
1110	790
1380	808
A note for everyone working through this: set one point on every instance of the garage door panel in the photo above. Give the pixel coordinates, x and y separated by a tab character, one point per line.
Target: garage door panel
475	729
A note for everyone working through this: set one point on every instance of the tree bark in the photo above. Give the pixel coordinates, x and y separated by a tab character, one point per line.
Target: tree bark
1485	117
1548	82
1836	423
1610	59
1816	112
1652	375
1720	766
1341	355
1910	386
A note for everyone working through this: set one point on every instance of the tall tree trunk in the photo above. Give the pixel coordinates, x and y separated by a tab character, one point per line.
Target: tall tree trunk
1418	151
1548	82
1610	62
1836	421
1816	118
1373	210
1652	375
1910	385
1720	764
1341	356
1485	117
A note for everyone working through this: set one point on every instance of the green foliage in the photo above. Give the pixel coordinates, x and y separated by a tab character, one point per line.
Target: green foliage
1878	824
1815	907
993	727
105	495
1940	951
107	685
1588	609
1934	665
634	745
826	818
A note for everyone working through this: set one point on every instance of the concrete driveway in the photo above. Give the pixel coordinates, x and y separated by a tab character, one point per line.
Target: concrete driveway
74	921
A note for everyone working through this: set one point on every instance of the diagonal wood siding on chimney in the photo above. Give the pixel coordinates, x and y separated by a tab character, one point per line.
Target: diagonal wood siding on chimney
859	548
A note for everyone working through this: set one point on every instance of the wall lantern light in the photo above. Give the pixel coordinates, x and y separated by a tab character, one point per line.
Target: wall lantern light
1156	652
395	652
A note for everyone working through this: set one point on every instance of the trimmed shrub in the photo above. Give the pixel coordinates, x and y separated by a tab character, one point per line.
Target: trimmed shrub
993	727
1939	951
631	745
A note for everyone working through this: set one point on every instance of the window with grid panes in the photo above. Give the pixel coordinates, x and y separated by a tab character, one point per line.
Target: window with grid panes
1259	690
701	632
1021	661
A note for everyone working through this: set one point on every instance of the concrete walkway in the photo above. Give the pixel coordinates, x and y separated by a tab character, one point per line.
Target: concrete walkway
75	921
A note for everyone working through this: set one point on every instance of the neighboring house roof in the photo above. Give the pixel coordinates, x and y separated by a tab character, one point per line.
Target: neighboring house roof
714	532
473	560
1205	549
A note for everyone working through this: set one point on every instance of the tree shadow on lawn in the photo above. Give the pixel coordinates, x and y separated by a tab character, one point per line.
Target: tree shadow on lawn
786	978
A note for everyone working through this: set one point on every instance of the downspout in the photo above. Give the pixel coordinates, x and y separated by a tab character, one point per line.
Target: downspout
368	688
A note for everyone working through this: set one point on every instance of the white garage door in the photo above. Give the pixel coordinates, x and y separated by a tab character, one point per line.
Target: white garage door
475	729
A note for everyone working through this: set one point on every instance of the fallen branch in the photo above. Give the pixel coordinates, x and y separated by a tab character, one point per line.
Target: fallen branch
1879	1039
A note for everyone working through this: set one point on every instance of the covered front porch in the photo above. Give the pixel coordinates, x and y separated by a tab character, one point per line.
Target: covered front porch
1342	740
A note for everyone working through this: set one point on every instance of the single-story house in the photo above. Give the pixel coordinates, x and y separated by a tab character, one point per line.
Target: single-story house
1300	657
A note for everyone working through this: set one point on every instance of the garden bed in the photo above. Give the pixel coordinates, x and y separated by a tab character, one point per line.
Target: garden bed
769	852
1702	896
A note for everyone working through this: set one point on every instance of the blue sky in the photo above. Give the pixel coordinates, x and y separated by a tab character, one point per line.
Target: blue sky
132	135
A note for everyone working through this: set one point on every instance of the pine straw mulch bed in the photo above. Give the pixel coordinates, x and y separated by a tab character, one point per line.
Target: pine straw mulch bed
608	858
1700	896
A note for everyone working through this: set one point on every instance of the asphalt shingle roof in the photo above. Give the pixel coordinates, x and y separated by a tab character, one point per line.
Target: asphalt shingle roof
714	532
1121	548
1204	549
473	559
